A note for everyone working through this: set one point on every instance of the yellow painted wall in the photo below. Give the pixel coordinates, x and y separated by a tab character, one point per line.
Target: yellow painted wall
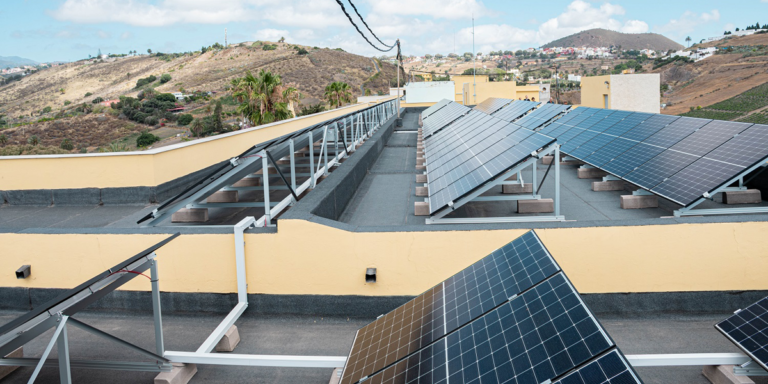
148	168
460	80
527	90
497	89
416	105
593	89
682	257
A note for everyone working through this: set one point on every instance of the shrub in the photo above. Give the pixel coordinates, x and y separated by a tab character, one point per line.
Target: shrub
88	94
151	120
302	51
97	100
165	78
185	119
67	102
147	80
46	110
310	109
67	145
166	97
3	140
269	47
146	139
33	140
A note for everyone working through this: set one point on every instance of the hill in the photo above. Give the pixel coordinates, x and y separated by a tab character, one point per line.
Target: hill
15	61
67	85
720	77
605	38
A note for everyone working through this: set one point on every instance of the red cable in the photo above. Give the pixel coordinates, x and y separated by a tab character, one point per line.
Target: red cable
127	271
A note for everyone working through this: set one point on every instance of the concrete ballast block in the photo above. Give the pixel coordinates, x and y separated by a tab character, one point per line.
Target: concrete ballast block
422	191
610	185
229	341
421	178
180	374
750	196
517	188
421	167
536	206
421	208
420	161
190	215
639	202
7	370
723	374
591	173
248	182
547	160
223	197
336	376
513	177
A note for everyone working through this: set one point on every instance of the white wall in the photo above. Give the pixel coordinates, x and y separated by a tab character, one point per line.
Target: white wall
637	92
429	91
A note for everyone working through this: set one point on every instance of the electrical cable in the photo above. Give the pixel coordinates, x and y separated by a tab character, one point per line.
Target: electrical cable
359	31
128	271
366	25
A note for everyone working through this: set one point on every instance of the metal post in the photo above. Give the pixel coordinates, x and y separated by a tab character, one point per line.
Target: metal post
311	161
56	333
325	149
346	138
397	59
156	310
62	343
242	284
265	179
534	180
293	164
557	179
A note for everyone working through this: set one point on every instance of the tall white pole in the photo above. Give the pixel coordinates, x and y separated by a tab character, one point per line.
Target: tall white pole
397	59
474	67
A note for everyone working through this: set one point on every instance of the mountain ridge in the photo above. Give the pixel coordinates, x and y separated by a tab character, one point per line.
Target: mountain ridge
15	61
598	37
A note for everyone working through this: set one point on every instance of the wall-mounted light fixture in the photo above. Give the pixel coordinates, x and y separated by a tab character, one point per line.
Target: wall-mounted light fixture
370	275
607	85
23	272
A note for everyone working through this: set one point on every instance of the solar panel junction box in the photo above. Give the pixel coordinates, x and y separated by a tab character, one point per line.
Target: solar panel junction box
23	272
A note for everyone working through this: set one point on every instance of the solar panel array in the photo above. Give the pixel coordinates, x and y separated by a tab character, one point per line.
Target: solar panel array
442	117
541	116
512	317
516	110
434	108
473	151
492	105
748	329
678	158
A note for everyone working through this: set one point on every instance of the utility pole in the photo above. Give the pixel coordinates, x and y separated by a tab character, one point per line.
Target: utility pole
398	59
474	66
225	37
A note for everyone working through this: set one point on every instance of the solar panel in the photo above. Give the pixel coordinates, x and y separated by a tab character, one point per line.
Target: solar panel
507	271
610	368
655	170
515	110
538	336
593	131
541	116
703	175
746	149
443	117
676	131
748	329
631	159
437	106
709	137
491	105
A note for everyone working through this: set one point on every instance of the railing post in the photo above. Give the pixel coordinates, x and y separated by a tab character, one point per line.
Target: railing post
156	310
311	161
265	180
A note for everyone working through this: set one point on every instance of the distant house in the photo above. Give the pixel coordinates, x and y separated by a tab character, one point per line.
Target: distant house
108	103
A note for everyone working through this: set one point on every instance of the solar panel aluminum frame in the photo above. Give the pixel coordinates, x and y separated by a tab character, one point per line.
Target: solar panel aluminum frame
553	148
363	124
749	354
688	210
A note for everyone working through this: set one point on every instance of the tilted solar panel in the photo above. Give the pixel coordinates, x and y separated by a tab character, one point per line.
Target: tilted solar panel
492	105
593	131
517	109
443	117
429	111
610	368
748	329
507	271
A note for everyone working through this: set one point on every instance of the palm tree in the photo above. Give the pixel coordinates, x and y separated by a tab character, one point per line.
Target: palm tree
196	128
338	93
263	98
688	40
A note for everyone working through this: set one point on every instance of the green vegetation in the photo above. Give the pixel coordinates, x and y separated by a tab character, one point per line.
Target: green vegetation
165	78
150	111
756	118
3	140
269	47
67	145
46	110
185	119
67	102
337	93
18	150
310	109
33	140
302	51
146	139
755	98
709	114
658	63
97	100
147	80
88	94
263	98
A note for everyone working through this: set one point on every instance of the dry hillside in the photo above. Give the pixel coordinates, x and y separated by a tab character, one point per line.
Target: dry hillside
210	71
604	38
717	78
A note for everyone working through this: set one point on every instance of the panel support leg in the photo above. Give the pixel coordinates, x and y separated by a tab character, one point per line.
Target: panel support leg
59	328
265	180
62	343
156	310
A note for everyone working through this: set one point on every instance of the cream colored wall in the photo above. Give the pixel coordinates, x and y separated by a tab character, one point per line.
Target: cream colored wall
636	92
498	89
681	257
592	90
147	168
527	90
460	80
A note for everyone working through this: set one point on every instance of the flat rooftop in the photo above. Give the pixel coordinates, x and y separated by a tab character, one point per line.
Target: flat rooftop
333	336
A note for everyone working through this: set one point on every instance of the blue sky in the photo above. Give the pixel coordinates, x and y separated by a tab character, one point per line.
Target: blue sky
48	30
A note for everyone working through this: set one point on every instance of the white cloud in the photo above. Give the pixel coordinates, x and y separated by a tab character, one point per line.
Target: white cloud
126	35
688	22
270	34
102	34
440	9
581	15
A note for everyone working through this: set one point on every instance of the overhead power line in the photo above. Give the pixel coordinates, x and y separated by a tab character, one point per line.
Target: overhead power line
366	25
361	32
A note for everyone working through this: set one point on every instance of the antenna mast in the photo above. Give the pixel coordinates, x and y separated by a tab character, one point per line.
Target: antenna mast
474	67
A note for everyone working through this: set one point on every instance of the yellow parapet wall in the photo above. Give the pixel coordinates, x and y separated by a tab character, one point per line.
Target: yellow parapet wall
296	260
148	168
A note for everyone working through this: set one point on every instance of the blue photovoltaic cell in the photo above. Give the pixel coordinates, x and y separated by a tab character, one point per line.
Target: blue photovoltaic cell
627	124
439	105
631	159
507	271
649	127
514	111
611	368
491	105
540	335
593	131
748	329
746	149
709	137
703	175
676	131
610	152
655	170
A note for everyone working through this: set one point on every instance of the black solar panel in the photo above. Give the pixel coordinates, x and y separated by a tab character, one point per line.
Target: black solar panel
517	109
703	175
709	137
631	159
745	149
436	107
593	131
676	131
538	336
664	165
610	368
748	329
446	115
507	271
491	105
